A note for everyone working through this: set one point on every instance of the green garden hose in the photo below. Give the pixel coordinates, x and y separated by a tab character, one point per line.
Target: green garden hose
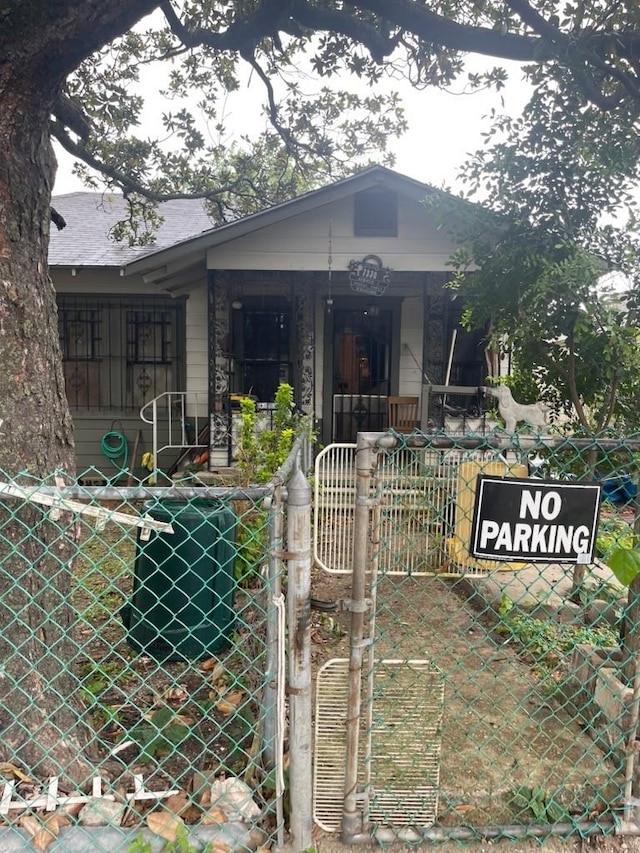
114	446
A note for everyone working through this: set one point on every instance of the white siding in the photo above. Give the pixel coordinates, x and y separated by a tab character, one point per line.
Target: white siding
196	343
302	242
89	430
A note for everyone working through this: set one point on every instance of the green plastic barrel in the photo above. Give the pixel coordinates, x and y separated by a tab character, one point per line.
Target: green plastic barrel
184	584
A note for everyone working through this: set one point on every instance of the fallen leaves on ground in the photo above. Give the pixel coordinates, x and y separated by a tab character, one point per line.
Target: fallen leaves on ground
165	824
44	830
183	806
7	769
176	694
213	668
214	815
229	703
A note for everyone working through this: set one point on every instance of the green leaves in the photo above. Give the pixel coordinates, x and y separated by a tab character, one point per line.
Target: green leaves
625	564
260	452
539	803
160	732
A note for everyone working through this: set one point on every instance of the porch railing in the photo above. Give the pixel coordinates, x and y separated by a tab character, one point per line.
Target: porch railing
177	419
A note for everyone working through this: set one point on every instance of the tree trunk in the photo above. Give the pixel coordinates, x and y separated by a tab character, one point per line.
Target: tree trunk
40	706
41	721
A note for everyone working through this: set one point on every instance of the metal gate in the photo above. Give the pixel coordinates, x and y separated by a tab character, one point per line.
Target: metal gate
495	700
425	499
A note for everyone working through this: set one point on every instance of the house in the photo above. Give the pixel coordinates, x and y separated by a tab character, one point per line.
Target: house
339	292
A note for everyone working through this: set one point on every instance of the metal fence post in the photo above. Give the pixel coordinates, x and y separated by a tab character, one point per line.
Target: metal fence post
351	821
274	570
299	622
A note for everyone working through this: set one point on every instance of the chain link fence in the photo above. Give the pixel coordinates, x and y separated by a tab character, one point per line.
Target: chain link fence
462	696
143	664
146	646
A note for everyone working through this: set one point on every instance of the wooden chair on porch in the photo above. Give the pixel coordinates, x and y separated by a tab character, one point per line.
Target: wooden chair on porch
402	413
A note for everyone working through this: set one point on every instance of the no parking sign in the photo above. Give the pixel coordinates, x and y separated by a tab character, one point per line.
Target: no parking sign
526	521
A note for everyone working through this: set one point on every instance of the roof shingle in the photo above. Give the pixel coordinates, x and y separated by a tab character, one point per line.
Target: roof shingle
86	241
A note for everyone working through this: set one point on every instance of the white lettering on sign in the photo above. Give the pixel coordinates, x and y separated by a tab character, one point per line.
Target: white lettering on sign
534	503
534	538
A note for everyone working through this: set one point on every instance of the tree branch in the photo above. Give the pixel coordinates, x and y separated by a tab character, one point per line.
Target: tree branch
70	114
528	15
442	31
249	56
573	388
125	181
378	45
577	50
269	17
610	400
57	219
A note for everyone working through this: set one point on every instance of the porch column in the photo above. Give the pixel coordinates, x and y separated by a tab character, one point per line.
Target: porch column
304	317
218	302
435	330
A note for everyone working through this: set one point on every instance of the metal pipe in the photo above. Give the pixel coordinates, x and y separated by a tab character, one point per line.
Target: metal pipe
376	526
299	622
138	493
438	834
495	441
273	588
630	760
297	452
351	819
155	440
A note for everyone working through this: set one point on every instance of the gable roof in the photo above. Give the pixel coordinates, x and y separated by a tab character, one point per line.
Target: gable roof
91	216
194	248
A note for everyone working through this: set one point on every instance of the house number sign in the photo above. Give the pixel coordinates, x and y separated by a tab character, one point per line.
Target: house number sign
369	276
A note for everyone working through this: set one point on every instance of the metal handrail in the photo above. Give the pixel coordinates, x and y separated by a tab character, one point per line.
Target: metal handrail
175	405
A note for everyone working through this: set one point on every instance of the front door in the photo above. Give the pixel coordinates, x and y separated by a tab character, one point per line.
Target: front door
361	370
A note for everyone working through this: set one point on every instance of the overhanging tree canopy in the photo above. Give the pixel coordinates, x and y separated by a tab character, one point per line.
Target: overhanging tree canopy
96	116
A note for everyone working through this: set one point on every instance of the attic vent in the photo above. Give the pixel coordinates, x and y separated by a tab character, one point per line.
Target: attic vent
376	213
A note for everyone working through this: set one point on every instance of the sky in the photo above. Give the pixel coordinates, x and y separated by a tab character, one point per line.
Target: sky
444	126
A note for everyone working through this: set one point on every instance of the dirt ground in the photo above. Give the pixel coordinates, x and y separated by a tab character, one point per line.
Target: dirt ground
501	733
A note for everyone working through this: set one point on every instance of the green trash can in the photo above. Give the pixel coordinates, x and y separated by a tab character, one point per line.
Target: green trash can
184	584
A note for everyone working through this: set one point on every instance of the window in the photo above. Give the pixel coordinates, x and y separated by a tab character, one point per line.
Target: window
79	330
376	213
263	350
119	354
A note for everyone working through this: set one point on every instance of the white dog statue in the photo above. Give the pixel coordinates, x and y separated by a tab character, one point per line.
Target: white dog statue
534	414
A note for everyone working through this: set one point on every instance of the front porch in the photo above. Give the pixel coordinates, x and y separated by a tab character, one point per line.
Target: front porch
346	354
181	425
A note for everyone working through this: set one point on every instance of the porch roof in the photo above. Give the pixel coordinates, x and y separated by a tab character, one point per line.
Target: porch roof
160	265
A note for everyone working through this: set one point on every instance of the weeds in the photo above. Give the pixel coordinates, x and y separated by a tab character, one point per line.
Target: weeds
160	733
613	532
262	451
548	643
538	803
